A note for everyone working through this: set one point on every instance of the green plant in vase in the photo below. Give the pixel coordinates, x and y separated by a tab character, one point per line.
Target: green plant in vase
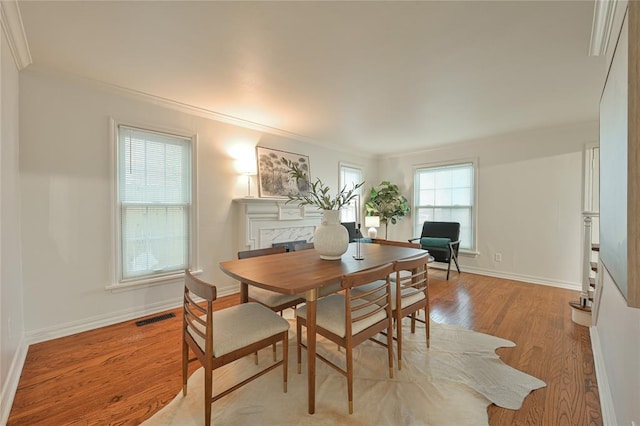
330	239
319	194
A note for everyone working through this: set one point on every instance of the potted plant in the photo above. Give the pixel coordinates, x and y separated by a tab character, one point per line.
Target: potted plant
331	239
388	203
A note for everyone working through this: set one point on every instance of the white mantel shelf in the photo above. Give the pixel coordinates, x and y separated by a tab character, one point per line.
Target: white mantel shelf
264	221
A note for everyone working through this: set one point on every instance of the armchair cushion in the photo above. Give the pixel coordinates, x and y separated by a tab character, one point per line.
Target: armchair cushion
435	242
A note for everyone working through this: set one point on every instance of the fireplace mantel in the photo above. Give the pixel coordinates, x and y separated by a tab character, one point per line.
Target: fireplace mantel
264	221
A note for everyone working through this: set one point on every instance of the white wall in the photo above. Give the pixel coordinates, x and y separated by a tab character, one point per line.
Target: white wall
12	344
66	200
618	333
529	201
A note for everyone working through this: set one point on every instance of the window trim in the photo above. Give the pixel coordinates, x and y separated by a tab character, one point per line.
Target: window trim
117	283
473	251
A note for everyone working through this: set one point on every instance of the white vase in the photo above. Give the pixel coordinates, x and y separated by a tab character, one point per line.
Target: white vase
331	239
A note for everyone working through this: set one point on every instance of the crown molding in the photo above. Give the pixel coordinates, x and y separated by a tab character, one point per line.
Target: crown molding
603	15
11	21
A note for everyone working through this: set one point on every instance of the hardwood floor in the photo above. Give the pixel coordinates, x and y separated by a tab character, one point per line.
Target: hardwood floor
123	374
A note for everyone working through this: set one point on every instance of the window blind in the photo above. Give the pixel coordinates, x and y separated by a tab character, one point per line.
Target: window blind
349	177
445	193
154	194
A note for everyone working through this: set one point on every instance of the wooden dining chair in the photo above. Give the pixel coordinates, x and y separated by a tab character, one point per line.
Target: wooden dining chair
410	294
409	288
277	302
221	337
349	319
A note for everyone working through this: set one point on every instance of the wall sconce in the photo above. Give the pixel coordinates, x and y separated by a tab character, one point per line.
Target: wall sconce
372	222
247	167
248	174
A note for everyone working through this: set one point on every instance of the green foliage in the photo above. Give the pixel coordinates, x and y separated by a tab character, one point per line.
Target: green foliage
318	194
388	203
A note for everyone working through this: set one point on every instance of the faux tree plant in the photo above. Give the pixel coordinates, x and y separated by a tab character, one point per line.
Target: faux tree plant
387	202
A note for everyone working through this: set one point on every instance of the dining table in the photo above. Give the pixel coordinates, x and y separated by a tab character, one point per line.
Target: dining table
306	274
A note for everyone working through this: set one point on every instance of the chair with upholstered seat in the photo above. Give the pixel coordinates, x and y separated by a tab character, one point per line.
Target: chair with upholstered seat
349	319
442	239
221	337
275	301
410	294
409	290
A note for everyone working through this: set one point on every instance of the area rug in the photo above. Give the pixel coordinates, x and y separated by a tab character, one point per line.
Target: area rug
451	383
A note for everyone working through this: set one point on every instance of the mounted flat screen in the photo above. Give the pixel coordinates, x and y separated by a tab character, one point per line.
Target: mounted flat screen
613	166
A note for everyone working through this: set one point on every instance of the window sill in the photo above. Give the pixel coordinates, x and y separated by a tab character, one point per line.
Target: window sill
175	278
468	253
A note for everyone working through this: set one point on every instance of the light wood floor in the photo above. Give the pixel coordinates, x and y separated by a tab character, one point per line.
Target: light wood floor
123	374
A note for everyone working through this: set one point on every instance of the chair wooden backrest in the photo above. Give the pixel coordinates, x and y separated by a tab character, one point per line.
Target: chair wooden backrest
193	313
362	305
274	301
417	280
261	252
411	295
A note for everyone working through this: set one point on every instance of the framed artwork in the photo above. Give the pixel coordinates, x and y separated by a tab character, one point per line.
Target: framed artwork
274	180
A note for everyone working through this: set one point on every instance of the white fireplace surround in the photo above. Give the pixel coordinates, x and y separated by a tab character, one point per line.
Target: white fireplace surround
264	221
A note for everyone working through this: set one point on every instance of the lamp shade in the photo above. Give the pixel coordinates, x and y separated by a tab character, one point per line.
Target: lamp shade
371	221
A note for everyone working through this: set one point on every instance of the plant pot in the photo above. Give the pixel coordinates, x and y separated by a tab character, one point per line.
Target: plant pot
331	239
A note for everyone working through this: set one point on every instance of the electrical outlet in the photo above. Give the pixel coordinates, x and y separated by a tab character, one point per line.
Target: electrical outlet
633	423
498	257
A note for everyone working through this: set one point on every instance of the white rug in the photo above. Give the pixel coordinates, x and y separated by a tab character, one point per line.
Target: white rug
452	383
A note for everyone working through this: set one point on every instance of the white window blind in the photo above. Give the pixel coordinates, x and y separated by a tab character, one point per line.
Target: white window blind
446	193
349	177
154	195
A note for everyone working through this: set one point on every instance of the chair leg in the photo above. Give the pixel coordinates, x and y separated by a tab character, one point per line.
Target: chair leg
285	358
349	351
390	345
185	367
448	268
299	345
455	259
427	320
399	337
208	392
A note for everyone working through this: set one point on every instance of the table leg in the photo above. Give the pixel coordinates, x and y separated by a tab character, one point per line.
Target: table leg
244	292
311	296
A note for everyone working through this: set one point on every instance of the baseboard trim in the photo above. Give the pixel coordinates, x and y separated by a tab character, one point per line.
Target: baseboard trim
13	379
606	401
74	327
519	277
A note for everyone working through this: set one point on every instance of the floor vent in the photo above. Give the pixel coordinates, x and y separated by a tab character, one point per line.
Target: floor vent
154	319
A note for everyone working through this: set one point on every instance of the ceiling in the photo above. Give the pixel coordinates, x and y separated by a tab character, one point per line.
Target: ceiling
378	77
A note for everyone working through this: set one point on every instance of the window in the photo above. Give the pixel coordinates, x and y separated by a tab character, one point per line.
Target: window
154	202
446	193
349	177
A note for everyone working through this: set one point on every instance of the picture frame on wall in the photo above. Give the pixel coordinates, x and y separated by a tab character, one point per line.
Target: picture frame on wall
274	180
